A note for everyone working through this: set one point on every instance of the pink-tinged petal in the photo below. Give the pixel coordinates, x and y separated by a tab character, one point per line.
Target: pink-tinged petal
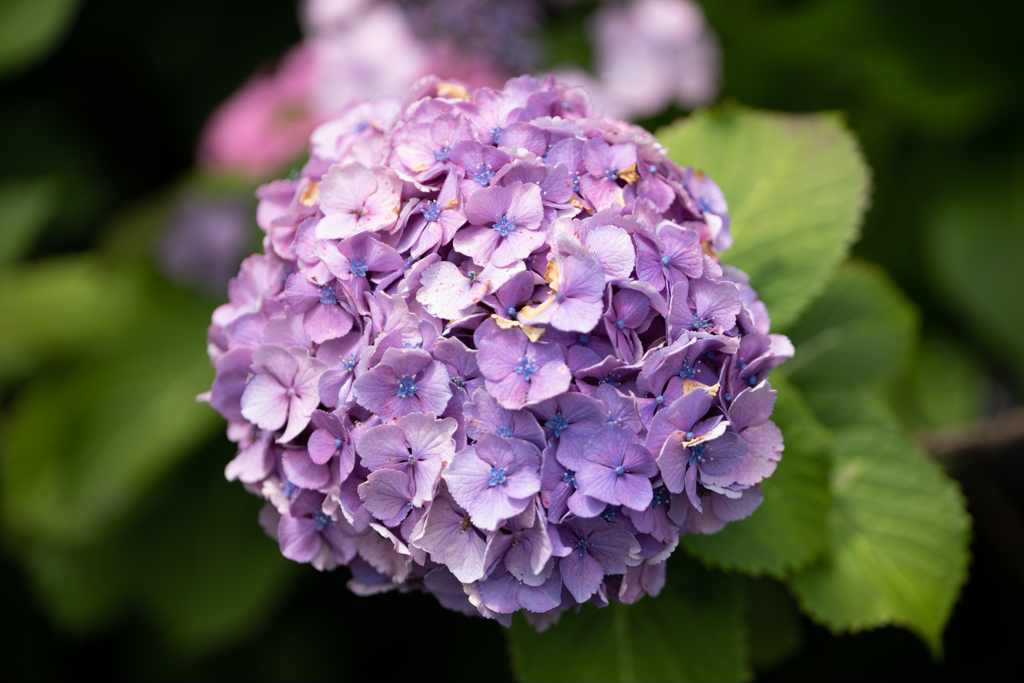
673	462
477	242
277	362
302	471
298	538
614	251
265	402
718	302
326	321
733	509
487	206
516	247
253	463
442	286
764	450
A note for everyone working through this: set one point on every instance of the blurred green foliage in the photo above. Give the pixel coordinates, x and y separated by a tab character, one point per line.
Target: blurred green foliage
30	28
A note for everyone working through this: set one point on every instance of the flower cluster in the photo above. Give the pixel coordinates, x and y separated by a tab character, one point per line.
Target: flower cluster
490	353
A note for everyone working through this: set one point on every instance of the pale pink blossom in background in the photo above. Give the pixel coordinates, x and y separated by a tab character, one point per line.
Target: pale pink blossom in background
266	122
649	54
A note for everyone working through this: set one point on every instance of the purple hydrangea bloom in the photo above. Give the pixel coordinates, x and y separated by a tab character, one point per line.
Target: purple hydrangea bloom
495	479
406	381
490	353
617	470
519	371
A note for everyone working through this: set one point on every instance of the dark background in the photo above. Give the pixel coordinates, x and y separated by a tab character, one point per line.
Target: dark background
933	89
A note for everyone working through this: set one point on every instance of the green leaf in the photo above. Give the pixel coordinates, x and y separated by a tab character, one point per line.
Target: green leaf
83	443
859	333
788	530
197	563
898	536
64	306
25	208
693	631
30	28
976	239
797	187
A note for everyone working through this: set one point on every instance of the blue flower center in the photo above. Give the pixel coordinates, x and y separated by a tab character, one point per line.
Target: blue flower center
406	386
442	154
703	204
483	174
659	400
431	211
619	471
349	364
471	276
570	479
665	260
608	514
661	497
289	489
560	296
697	453
610	380
583	546
621	324
575	182
357	267
526	367
505	431
458	381
496	135
652	168
466	524
703	324
688	436
322	520
327	295
511	311
710	355
584	338
612	174
337	443
505	225
752	380
687	371
497	475
557	424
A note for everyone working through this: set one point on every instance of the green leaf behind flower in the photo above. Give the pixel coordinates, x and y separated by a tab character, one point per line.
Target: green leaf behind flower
860	332
898	537
796	185
693	631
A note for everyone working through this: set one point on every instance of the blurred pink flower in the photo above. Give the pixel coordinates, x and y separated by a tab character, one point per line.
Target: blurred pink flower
266	122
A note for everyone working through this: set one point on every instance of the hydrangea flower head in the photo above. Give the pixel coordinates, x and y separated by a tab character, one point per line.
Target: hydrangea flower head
489	358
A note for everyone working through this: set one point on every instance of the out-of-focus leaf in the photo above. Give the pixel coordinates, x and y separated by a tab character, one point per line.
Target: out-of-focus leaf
693	631
773	623
25	207
797	186
30	28
788	530
859	333
898	536
948	385
64	306
84	442
191	556
211	575
976	239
